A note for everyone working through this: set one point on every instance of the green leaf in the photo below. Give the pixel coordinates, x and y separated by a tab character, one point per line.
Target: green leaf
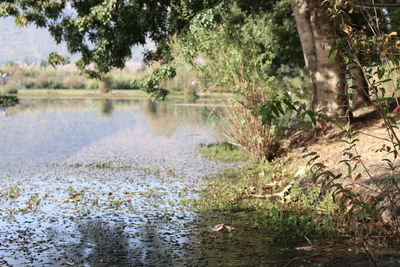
333	54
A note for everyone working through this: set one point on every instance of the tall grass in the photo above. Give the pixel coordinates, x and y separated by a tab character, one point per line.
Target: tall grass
68	77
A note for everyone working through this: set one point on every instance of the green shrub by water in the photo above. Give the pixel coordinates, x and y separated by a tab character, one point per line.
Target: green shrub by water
223	152
307	214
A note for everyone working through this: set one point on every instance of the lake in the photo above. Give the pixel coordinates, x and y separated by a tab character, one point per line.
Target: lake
102	182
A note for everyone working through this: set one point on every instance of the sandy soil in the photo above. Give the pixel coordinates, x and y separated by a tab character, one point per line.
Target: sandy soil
372	146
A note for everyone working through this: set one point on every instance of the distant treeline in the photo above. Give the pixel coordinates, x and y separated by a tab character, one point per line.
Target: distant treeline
41	76
46	77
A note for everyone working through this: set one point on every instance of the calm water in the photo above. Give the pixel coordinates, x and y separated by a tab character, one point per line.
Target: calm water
101	183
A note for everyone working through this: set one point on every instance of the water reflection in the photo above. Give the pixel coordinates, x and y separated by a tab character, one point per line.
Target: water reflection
106	108
8	101
164	118
103	243
104	191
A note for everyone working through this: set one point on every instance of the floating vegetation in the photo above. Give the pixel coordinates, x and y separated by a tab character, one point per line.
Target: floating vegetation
102	165
32	203
14	192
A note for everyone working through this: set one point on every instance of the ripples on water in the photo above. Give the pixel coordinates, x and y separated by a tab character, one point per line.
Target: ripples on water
101	181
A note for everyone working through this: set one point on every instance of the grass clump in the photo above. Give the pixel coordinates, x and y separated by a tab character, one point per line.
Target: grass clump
223	152
250	199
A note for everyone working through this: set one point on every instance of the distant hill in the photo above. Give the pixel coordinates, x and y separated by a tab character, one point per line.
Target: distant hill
30	44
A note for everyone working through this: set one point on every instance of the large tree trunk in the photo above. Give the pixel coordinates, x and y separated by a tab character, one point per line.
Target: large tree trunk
360	88
327	77
301	13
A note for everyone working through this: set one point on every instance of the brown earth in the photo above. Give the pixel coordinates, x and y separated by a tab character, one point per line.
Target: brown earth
372	176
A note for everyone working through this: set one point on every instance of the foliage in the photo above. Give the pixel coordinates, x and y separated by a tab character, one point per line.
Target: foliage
7	101
102	31
65	77
305	214
374	51
151	83
236	51
246	130
233	50
223	152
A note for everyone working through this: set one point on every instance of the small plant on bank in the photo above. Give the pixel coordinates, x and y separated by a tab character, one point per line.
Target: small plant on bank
303	213
223	152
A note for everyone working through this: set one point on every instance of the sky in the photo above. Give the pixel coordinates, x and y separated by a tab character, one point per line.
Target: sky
31	45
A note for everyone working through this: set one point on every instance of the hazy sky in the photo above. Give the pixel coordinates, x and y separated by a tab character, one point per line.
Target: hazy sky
32	44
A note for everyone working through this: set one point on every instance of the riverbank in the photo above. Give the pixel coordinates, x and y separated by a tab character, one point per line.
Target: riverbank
274	198
290	203
116	94
89	93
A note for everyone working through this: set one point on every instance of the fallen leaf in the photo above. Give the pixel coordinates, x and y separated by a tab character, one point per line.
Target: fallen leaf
306	248
218	227
63	200
270	185
229	228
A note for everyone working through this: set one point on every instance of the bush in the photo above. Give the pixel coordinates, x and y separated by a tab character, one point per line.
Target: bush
246	129
75	82
223	152
39	77
241	53
92	84
10	91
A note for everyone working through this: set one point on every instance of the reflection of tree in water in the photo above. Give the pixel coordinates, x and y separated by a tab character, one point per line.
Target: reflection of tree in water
49	105
8	101
104	244
107	243
155	248
160	117
106	108
165	118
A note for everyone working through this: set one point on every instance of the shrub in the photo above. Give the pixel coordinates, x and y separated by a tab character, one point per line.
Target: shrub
92	84
241	53
75	82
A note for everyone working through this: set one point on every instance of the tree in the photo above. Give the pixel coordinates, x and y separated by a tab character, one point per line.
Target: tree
235	51
103	32
327	76
250	54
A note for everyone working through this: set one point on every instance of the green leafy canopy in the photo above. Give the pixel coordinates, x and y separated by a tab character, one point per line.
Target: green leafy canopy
104	31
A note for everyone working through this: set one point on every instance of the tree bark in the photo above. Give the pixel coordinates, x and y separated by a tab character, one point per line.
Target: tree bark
301	12
360	88
327	77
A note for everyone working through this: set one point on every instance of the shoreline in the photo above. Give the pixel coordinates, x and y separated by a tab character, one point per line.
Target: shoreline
113	94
